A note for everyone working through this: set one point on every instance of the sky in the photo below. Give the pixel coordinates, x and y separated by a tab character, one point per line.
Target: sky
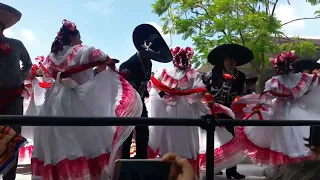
108	24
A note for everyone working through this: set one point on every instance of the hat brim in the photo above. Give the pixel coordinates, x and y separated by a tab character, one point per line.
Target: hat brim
9	16
142	33
305	64
240	53
115	60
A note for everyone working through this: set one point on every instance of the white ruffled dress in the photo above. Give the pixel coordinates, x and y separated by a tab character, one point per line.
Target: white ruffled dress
33	100
188	142
283	145
82	152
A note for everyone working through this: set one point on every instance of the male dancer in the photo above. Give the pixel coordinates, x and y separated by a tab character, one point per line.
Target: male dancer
137	70
226	82
12	51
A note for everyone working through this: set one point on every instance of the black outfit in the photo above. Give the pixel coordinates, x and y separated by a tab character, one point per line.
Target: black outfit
224	92
15	108
139	74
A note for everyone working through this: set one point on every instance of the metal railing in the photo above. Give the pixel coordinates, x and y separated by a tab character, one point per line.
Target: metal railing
207	122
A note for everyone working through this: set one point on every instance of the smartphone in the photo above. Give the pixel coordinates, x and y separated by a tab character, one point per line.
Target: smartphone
141	169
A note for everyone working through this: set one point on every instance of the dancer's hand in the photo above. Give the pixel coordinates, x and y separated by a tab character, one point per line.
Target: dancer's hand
181	168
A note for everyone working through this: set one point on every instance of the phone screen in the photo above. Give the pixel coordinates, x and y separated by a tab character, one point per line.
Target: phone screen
142	170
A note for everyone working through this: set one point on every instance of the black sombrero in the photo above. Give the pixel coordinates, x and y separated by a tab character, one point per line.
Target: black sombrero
242	54
9	15
306	64
149	42
314	138
115	60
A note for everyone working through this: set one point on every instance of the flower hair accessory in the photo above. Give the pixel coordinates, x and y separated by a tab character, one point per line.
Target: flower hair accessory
70	25
57	44
283	58
182	57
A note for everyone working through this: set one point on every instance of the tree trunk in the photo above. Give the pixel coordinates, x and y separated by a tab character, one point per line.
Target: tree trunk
260	82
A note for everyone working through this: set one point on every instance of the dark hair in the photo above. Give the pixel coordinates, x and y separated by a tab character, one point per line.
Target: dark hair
184	60
63	39
285	67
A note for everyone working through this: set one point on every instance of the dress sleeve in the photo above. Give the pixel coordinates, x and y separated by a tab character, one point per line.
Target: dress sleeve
97	55
266	98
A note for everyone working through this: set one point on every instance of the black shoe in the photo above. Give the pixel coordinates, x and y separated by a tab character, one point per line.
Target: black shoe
234	174
219	173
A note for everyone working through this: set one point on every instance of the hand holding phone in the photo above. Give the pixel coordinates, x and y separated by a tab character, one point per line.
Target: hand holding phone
180	169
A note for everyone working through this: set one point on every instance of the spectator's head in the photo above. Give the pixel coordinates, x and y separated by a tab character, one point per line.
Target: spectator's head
308	170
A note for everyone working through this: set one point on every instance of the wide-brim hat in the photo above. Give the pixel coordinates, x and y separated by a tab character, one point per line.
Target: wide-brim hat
149	42
9	15
313	139
240	53
115	60
305	64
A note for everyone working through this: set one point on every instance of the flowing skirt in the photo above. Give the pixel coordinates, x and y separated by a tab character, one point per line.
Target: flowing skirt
84	152
32	107
278	145
190	142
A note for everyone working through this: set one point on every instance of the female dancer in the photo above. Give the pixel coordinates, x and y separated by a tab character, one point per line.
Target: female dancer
178	92
84	152
35	88
288	96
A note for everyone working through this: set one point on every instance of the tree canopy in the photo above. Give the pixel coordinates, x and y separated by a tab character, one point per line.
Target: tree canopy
251	23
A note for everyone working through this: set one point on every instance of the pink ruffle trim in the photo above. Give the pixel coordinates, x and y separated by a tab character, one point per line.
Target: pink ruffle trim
222	155
78	169
265	156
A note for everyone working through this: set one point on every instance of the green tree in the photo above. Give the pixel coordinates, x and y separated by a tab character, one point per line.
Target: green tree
251	23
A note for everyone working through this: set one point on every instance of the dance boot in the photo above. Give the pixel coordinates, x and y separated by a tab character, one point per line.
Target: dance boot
232	173
219	173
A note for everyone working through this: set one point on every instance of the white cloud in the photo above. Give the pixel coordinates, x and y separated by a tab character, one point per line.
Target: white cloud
8	33
286	13
166	37
27	35
103	7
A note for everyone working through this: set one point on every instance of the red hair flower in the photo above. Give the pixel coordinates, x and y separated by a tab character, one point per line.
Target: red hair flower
70	25
5	48
283	57
178	53
228	76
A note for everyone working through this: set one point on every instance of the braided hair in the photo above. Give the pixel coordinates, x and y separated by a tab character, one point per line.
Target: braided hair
63	37
283	63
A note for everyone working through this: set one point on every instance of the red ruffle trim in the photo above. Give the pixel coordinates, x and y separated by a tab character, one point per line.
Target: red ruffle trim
78	169
221	155
265	156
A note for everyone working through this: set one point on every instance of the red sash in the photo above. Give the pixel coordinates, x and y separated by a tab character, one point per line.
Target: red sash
9	96
166	89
